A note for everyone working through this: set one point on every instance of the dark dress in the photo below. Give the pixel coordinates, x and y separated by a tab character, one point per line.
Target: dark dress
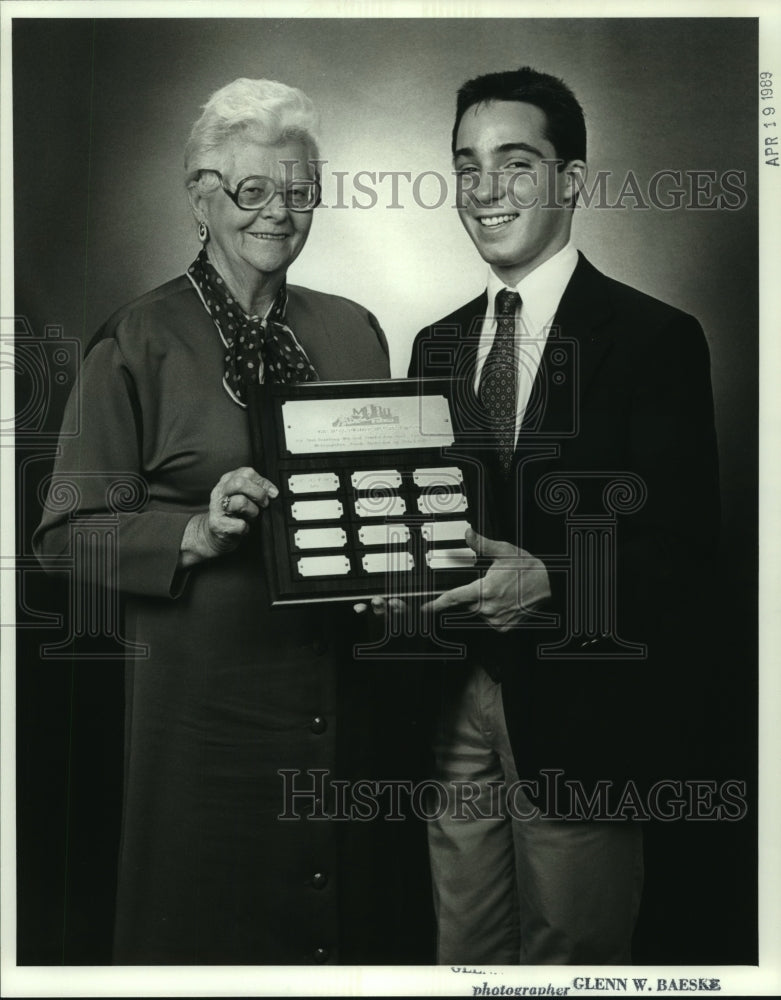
226	693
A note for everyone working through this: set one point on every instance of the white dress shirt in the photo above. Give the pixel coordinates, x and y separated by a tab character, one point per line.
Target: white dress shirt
540	292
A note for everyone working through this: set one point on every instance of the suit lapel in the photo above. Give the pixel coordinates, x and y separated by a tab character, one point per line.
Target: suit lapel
579	328
467	325
471	323
577	342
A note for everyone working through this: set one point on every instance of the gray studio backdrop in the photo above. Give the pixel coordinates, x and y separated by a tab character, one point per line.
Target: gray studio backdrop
103	109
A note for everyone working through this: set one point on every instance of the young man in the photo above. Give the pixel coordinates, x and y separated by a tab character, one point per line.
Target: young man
588	405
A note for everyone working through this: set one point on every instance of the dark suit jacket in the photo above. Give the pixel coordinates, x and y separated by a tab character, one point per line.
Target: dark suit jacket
622	397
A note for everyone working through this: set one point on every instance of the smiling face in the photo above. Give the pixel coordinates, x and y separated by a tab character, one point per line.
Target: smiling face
253	250
514	204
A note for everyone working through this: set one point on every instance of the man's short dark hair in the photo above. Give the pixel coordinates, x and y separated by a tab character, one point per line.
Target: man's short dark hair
566	127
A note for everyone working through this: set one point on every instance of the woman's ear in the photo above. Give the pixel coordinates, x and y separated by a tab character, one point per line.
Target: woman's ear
199	206
197	202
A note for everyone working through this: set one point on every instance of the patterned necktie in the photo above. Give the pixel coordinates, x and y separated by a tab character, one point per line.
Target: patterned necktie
499	381
253	346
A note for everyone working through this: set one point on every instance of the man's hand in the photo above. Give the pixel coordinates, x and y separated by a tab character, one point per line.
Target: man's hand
514	583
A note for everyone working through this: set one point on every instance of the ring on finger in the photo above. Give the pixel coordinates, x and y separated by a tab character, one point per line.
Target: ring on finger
225	504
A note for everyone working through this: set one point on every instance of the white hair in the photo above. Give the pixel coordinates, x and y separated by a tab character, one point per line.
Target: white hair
257	110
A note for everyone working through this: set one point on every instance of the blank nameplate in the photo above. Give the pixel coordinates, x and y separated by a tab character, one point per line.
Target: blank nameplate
450	558
388	562
442	503
316	510
437	477
376	479
444	531
320	538
324	566
381	506
313	482
383	534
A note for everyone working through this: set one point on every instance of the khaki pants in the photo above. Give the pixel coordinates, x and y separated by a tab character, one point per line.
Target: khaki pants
530	891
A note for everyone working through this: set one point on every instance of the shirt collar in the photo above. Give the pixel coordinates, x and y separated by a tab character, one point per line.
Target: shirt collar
542	289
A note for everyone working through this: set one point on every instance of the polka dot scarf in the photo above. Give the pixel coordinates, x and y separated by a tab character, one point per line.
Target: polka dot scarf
254	345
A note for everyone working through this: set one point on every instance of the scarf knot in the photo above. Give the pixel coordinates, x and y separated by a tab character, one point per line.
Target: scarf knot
254	346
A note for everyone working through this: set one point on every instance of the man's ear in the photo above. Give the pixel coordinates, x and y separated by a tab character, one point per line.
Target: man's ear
574	179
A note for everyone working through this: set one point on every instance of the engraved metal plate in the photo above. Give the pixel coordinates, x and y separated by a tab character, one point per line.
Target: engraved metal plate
444	531
345	425
320	538
450	558
376	479
323	566
442	503
450	476
388	562
383	534
380	506
313	482
316	510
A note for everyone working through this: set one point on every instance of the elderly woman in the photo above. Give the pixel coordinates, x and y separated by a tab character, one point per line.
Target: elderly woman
223	694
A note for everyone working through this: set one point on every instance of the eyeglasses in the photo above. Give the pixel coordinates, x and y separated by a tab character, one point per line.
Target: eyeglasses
255	192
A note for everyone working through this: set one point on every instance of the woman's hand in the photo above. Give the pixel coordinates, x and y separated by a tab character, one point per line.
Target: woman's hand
235	502
382	606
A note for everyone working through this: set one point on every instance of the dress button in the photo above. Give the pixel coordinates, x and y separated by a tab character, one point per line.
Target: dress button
321	955
318	725
319	880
